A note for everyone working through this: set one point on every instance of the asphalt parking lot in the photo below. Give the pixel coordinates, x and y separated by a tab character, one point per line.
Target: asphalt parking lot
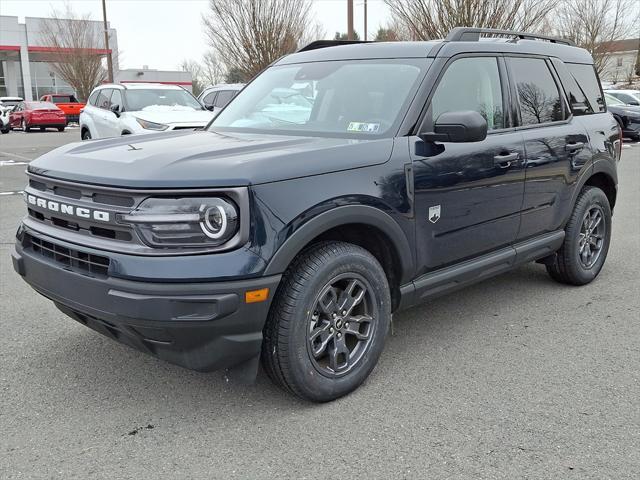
517	377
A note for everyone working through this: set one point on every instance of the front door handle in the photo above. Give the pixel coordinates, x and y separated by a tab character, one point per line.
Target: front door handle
574	147
505	161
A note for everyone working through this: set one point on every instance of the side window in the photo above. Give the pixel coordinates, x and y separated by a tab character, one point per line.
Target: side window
577	98
93	98
538	94
116	98
223	98
209	98
586	77
471	84
103	98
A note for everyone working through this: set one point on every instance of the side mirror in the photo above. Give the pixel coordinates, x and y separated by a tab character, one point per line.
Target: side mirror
115	109
634	103
209	107
458	127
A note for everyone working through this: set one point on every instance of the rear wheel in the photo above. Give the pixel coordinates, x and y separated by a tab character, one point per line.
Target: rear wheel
61	129
328	323
586	243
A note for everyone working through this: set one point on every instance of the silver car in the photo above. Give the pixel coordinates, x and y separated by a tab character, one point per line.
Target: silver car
216	97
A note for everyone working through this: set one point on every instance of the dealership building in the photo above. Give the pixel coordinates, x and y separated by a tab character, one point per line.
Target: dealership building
26	71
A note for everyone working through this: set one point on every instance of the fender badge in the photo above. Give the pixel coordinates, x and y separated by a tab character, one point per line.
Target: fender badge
434	213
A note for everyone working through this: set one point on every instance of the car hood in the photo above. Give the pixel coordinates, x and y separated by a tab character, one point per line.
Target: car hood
171	116
187	159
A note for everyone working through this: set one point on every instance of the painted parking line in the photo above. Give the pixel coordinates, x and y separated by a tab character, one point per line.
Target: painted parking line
17	192
21	157
9	163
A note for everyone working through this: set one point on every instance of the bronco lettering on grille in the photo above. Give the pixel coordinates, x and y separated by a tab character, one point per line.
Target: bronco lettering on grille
67	209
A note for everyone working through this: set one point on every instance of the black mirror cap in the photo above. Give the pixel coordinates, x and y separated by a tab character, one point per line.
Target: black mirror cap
458	127
115	109
209	107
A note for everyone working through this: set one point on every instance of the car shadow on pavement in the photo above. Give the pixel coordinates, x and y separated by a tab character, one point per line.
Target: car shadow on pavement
86	361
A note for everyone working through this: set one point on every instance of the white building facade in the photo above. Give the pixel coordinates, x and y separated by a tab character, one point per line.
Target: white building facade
24	58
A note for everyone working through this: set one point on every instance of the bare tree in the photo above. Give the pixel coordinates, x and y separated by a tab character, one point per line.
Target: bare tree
429	19
248	35
597	24
76	49
204	73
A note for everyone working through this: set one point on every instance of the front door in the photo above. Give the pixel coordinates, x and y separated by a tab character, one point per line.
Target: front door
468	196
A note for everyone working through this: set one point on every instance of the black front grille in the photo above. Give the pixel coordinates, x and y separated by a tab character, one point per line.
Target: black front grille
68	258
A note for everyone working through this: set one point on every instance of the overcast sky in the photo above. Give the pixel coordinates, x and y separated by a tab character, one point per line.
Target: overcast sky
162	33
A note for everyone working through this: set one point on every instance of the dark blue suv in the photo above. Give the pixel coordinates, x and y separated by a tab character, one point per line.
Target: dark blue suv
345	182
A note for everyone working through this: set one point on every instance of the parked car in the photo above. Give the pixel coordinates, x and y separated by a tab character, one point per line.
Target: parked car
42	115
628	97
422	168
216	97
6	105
628	116
67	103
113	110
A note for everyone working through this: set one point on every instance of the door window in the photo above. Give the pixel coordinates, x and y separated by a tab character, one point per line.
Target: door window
538	94
223	98
471	84
103	98
116	98
209	99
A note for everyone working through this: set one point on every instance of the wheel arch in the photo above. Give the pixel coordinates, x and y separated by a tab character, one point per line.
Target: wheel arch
362	225
604	176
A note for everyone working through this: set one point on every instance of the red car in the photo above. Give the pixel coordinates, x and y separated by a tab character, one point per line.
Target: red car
28	115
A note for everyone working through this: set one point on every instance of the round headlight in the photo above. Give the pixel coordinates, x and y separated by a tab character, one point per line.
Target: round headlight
214	221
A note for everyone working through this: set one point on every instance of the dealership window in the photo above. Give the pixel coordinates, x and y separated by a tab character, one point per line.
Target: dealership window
44	80
619	61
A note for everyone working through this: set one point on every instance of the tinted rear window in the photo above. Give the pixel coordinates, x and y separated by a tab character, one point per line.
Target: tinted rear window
41	106
587	79
64	99
540	100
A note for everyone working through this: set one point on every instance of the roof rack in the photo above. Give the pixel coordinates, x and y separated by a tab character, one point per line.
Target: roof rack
472	34
329	43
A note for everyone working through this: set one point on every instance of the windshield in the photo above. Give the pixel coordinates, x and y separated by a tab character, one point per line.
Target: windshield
611	100
357	99
10	103
157	99
64	99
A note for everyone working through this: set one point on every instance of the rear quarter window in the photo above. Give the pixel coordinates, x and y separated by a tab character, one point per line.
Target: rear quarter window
588	81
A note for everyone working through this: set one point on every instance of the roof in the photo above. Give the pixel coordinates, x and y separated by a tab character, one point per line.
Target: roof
137	86
439	48
627	45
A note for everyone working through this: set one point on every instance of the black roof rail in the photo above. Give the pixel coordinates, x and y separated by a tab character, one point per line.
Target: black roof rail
329	43
472	34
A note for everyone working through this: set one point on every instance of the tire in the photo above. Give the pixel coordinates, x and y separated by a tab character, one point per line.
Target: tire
42	129
335	274
570	265
25	127
61	129
5	130
86	134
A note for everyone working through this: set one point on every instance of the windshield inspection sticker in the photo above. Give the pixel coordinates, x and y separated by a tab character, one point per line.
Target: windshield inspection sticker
363	127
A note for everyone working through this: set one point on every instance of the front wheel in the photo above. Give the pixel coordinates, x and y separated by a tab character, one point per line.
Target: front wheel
586	243
86	135
328	323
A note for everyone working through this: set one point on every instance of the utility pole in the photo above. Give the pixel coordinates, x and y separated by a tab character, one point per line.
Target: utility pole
365	20
349	19
106	42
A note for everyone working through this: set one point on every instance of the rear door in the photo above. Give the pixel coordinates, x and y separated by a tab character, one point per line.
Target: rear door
556	145
468	196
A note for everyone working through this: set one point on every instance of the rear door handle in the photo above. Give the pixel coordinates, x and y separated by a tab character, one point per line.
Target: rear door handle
505	161
574	147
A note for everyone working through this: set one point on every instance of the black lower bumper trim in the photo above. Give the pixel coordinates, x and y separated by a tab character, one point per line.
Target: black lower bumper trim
202	326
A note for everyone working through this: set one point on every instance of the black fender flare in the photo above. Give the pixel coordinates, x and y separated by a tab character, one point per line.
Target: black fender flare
343	215
599	165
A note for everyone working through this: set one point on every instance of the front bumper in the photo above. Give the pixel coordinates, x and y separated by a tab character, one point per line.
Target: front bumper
201	326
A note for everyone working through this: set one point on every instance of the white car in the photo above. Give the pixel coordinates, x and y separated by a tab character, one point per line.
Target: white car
7	104
628	97
123	109
217	97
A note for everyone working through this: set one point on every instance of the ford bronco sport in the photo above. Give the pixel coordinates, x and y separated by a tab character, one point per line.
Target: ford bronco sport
342	184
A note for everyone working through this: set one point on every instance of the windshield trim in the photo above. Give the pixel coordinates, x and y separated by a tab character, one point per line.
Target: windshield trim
423	63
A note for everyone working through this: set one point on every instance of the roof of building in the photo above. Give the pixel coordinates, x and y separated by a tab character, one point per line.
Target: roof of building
627	45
